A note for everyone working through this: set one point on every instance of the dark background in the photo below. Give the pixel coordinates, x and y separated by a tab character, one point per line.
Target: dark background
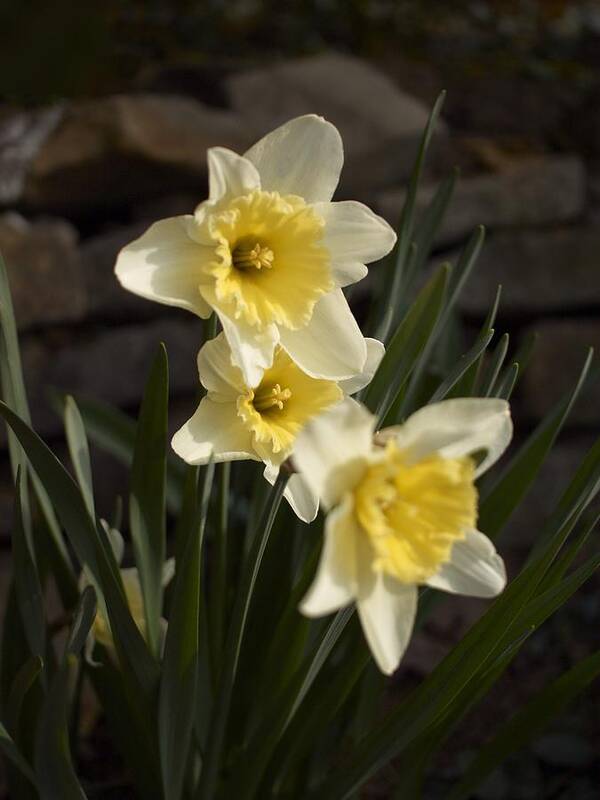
106	111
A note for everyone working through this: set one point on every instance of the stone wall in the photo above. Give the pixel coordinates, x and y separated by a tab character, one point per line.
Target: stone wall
80	180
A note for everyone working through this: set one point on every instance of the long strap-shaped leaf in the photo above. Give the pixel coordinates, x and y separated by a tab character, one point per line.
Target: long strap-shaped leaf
54	768
147	510
10	751
178	695
408	341
510	487
527	723
14	394
473	653
114	431
397	260
220	715
91	548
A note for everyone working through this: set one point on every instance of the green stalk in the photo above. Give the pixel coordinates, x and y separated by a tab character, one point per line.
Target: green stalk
219	579
235	636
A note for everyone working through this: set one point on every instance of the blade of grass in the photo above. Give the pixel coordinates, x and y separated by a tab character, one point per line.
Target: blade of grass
27	582
212	762
395	277
407	343
500	500
79	452
10	751
89	543
463	365
115	432
507	382
456	282
178	687
493	369
147	509
474	651
527	723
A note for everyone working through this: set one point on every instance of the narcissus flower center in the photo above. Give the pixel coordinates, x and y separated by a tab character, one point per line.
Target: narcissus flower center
246	255
413	512
277	409
269	265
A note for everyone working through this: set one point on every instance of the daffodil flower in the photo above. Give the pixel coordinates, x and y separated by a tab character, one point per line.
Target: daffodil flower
268	252
100	631
235	421
402	512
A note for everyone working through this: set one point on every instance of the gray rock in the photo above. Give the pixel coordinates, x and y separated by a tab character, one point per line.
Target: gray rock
540	271
380	124
21	136
559	356
536	191
127	147
44	270
565	750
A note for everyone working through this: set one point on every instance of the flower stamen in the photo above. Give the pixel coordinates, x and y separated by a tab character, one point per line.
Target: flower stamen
252	256
276	397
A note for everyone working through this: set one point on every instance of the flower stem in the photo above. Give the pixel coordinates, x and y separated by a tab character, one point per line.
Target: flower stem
219	578
235	635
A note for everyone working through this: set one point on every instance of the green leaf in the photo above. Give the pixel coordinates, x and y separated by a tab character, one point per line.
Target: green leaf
24	680
493	368
506	383
510	487
13	389
53	765
527	723
79	452
456	282
429	224
115	433
395	278
27	582
407	343
147	510
474	652
83	620
9	749
462	366
235	635
178	688
89	542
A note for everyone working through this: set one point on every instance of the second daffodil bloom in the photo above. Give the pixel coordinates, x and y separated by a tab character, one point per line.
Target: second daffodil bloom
402	512
235	421
268	252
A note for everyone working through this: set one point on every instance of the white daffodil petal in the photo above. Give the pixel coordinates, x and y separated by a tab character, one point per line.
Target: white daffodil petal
387	611
164	265
455	428
334	585
302	157
474	569
332	450
217	373
229	174
302	499
354	236
214	429
331	346
251	350
375	352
